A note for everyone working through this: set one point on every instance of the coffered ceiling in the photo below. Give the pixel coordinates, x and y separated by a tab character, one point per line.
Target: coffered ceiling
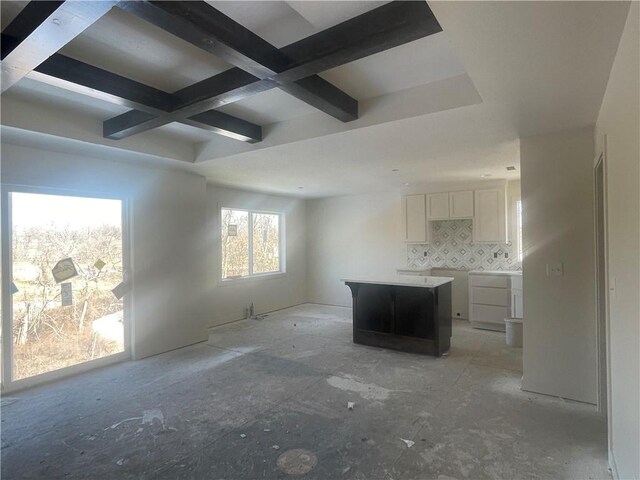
444	107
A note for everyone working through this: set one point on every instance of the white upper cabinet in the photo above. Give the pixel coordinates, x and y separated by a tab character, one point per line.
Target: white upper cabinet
490	220
414	219
438	206
461	204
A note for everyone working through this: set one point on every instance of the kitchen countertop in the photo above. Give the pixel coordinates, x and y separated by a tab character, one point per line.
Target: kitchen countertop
403	281
496	272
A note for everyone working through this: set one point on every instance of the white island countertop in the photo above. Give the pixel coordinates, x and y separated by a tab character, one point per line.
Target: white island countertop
402	281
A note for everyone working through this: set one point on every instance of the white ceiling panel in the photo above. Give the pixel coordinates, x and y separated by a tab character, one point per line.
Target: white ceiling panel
58	98
133	48
269	107
326	14
423	61
274	21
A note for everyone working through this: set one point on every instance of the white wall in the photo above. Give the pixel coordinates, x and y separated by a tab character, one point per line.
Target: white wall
226	302
619	121
362	235
351	236
168	215
559	356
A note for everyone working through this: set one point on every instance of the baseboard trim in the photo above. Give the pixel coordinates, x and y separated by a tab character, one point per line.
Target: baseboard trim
234	319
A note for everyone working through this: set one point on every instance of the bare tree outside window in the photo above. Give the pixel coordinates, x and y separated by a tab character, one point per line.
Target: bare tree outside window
235	243
266	243
250	243
47	334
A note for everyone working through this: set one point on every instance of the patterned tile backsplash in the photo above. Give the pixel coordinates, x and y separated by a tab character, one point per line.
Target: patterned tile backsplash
451	248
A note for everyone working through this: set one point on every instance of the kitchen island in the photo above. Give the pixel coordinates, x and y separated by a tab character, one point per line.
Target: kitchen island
408	313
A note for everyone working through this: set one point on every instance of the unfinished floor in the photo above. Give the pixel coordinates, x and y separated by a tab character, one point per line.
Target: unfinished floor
268	399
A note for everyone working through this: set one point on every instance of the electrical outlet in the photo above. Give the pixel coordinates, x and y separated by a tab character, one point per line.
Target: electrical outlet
506	254
424	253
495	254
555	270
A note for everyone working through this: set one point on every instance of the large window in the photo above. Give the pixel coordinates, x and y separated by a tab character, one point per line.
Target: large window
251	243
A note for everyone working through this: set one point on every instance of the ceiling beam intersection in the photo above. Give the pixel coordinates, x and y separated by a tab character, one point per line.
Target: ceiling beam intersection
259	66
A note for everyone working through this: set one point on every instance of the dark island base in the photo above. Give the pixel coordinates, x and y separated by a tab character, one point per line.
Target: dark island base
410	319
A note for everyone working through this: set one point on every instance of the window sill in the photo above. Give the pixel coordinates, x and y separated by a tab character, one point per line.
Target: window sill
250	279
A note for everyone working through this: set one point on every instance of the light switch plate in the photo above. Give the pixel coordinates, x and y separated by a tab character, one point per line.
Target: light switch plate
555	270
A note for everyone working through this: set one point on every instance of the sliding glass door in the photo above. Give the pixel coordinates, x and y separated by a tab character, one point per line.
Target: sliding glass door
62	257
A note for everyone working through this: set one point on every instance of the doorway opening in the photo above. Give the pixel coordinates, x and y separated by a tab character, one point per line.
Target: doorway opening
62	257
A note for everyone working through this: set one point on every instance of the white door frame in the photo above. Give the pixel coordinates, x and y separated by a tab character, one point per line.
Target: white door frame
8	384
603	344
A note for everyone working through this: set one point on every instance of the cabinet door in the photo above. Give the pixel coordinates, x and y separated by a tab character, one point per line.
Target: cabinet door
461	204
415	219
490	219
438	206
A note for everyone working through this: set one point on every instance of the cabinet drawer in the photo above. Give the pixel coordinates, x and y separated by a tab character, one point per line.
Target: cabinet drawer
488	314
493	281
490	296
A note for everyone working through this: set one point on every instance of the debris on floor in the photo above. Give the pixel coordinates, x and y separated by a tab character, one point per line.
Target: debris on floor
409	443
242	435
350	405
276	447
297	461
266	430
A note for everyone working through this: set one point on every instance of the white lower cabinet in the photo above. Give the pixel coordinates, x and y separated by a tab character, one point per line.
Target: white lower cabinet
490	298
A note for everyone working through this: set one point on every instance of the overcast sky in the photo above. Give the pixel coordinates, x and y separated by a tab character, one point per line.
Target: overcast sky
31	210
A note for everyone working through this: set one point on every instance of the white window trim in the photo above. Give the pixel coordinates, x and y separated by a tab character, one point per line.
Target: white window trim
254	277
8	383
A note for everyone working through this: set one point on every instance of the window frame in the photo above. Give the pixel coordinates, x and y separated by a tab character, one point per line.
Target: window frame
282	271
6	374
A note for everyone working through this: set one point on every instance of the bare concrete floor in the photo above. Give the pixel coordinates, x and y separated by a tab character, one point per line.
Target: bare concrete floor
268	399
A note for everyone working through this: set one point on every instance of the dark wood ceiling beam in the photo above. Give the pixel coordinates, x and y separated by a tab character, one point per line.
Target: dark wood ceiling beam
324	96
226	87
149	102
382	28
202	25
225	124
74	75
295	66
32	16
40	30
